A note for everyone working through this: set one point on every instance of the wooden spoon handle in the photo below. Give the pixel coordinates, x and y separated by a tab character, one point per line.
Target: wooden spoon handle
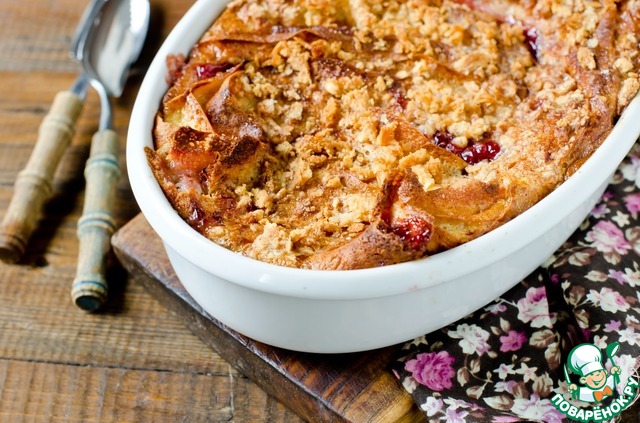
96	225
33	184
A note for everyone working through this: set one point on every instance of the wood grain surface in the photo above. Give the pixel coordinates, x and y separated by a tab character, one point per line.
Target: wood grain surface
134	361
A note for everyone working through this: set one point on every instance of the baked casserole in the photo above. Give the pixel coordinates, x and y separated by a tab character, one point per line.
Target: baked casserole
353	134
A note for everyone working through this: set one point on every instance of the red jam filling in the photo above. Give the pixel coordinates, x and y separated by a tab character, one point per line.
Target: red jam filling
473	153
445	140
398	95
201	220
531	41
414	231
197	218
207	70
479	151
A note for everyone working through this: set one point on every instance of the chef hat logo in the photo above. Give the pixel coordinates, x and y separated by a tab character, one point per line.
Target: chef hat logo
585	359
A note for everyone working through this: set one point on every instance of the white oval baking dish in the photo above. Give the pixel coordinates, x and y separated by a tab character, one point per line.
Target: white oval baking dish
348	311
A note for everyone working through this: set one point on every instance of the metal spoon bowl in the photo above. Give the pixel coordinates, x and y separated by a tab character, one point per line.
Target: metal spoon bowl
110	41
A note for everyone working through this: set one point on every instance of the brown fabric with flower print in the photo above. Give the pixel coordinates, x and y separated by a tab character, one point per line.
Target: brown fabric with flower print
504	362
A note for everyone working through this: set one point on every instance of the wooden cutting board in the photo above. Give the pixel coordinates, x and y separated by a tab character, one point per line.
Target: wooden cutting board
356	387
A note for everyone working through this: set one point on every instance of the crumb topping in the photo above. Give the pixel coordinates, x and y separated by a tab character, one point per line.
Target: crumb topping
358	133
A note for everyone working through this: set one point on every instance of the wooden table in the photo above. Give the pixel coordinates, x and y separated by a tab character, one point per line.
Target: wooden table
134	361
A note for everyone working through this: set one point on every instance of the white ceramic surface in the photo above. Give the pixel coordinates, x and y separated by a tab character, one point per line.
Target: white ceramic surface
347	311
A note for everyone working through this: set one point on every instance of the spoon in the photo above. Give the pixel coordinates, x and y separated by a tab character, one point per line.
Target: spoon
113	41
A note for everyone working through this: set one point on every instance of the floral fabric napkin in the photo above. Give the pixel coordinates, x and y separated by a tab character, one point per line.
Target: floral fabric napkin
505	362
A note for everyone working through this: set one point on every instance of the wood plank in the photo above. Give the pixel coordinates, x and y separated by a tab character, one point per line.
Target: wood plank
41	41
339	387
34	391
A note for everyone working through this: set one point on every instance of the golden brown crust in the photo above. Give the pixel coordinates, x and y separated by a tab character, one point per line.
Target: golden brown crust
351	134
